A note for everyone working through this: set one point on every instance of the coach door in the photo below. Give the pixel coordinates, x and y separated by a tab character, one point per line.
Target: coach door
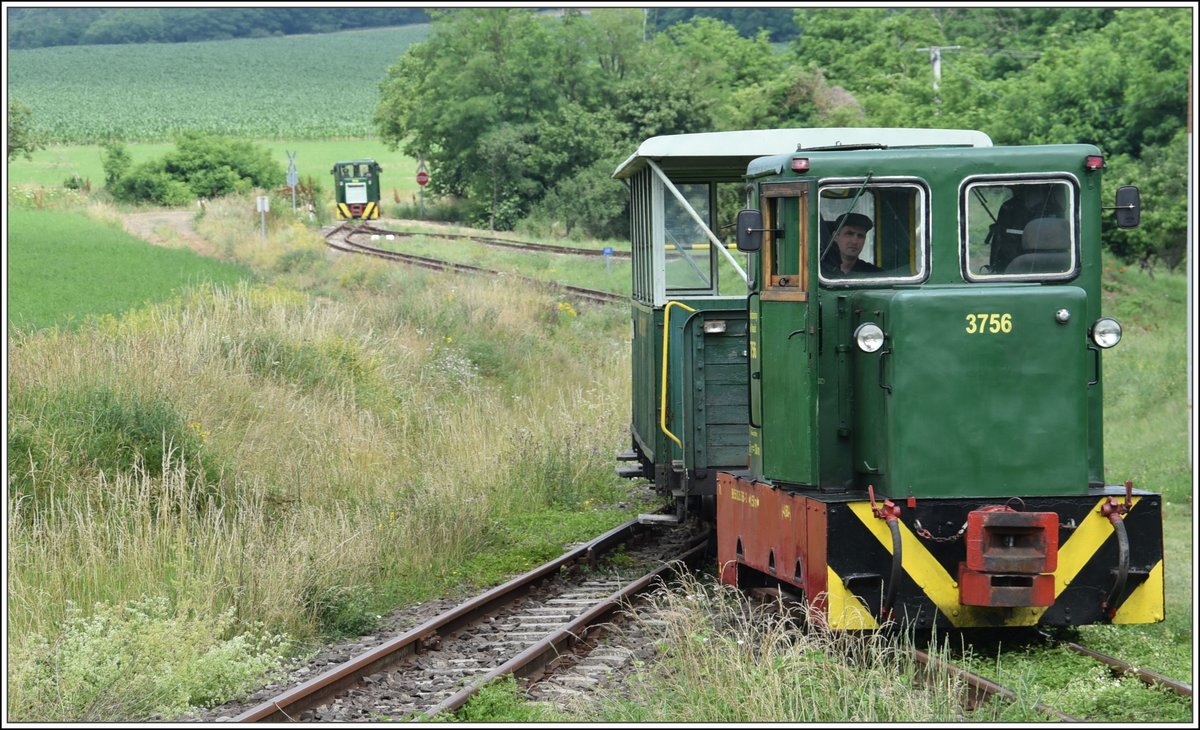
783	341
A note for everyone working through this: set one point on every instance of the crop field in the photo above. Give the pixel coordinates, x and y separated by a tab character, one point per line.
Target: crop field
296	87
65	268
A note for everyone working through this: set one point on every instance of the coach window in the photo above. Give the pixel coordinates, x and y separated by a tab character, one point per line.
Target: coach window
894	217
1019	229
688	253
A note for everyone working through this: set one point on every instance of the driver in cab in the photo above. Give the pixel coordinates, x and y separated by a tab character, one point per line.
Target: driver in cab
842	254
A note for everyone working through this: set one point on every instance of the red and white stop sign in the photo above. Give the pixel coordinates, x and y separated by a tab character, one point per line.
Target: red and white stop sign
422	178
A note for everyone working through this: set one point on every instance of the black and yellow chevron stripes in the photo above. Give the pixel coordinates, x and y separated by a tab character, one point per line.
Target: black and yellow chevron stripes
371	210
860	547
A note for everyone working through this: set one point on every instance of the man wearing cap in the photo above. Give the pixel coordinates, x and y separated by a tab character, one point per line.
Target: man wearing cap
841	258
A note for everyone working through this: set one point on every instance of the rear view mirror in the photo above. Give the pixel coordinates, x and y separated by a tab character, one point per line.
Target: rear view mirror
1129	207
749	230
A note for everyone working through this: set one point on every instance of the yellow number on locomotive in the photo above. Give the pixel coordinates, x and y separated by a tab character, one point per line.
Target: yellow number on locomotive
989	322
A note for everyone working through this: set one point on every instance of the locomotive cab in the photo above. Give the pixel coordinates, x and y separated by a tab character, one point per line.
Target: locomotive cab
356	186
926	393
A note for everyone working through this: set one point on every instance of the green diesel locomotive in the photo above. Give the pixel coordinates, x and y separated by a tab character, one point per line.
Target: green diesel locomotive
888	396
356	184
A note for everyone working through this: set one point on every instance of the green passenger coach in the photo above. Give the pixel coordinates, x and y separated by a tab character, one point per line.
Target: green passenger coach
872	357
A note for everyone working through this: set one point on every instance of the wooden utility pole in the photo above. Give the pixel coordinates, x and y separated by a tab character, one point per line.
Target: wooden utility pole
1191	258
935	60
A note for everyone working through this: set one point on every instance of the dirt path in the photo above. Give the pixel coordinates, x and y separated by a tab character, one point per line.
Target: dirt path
170	228
175	229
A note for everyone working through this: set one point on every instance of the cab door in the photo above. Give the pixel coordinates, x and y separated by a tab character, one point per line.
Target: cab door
783	341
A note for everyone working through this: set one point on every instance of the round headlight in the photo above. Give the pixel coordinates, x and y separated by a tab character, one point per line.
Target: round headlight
1106	332
869	337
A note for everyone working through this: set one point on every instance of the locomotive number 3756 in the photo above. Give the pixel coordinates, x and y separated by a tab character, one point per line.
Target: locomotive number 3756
989	322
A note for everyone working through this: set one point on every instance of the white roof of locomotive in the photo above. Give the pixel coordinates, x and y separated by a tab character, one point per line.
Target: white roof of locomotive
749	144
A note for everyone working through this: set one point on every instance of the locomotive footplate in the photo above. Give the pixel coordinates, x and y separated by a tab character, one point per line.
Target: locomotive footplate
949	562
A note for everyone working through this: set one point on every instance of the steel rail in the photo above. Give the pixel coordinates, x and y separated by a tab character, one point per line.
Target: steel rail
506	243
593	295
1125	668
532	661
330	684
986	687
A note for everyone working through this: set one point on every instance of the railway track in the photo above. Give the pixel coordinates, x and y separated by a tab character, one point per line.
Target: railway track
1123	668
503	243
527	628
346	237
981	689
550	629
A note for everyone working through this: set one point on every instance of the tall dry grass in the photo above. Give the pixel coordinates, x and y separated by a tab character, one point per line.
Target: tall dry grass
328	443
722	659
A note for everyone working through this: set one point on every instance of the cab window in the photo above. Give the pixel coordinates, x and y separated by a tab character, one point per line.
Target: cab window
1019	229
872	234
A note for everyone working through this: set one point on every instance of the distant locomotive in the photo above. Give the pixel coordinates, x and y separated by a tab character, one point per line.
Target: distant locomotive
356	183
914	435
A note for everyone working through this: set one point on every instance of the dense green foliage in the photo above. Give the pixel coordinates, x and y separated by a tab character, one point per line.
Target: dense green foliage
201	166
40	27
749	21
518	113
508	105
139	662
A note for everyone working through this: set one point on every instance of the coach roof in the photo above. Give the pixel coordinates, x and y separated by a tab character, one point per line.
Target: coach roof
732	151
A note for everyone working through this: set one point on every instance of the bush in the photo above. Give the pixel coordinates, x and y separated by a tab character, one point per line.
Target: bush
105	429
589	202
342	610
213	165
201	166
116	161
299	260
77	183
445	210
140	661
149	182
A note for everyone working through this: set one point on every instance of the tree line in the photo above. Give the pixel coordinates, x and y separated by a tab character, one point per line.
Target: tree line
43	27
525	117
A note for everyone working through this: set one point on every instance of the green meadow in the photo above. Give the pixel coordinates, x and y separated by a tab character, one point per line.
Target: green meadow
65	268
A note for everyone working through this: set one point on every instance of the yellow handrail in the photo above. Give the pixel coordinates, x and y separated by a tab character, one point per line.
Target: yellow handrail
662	409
